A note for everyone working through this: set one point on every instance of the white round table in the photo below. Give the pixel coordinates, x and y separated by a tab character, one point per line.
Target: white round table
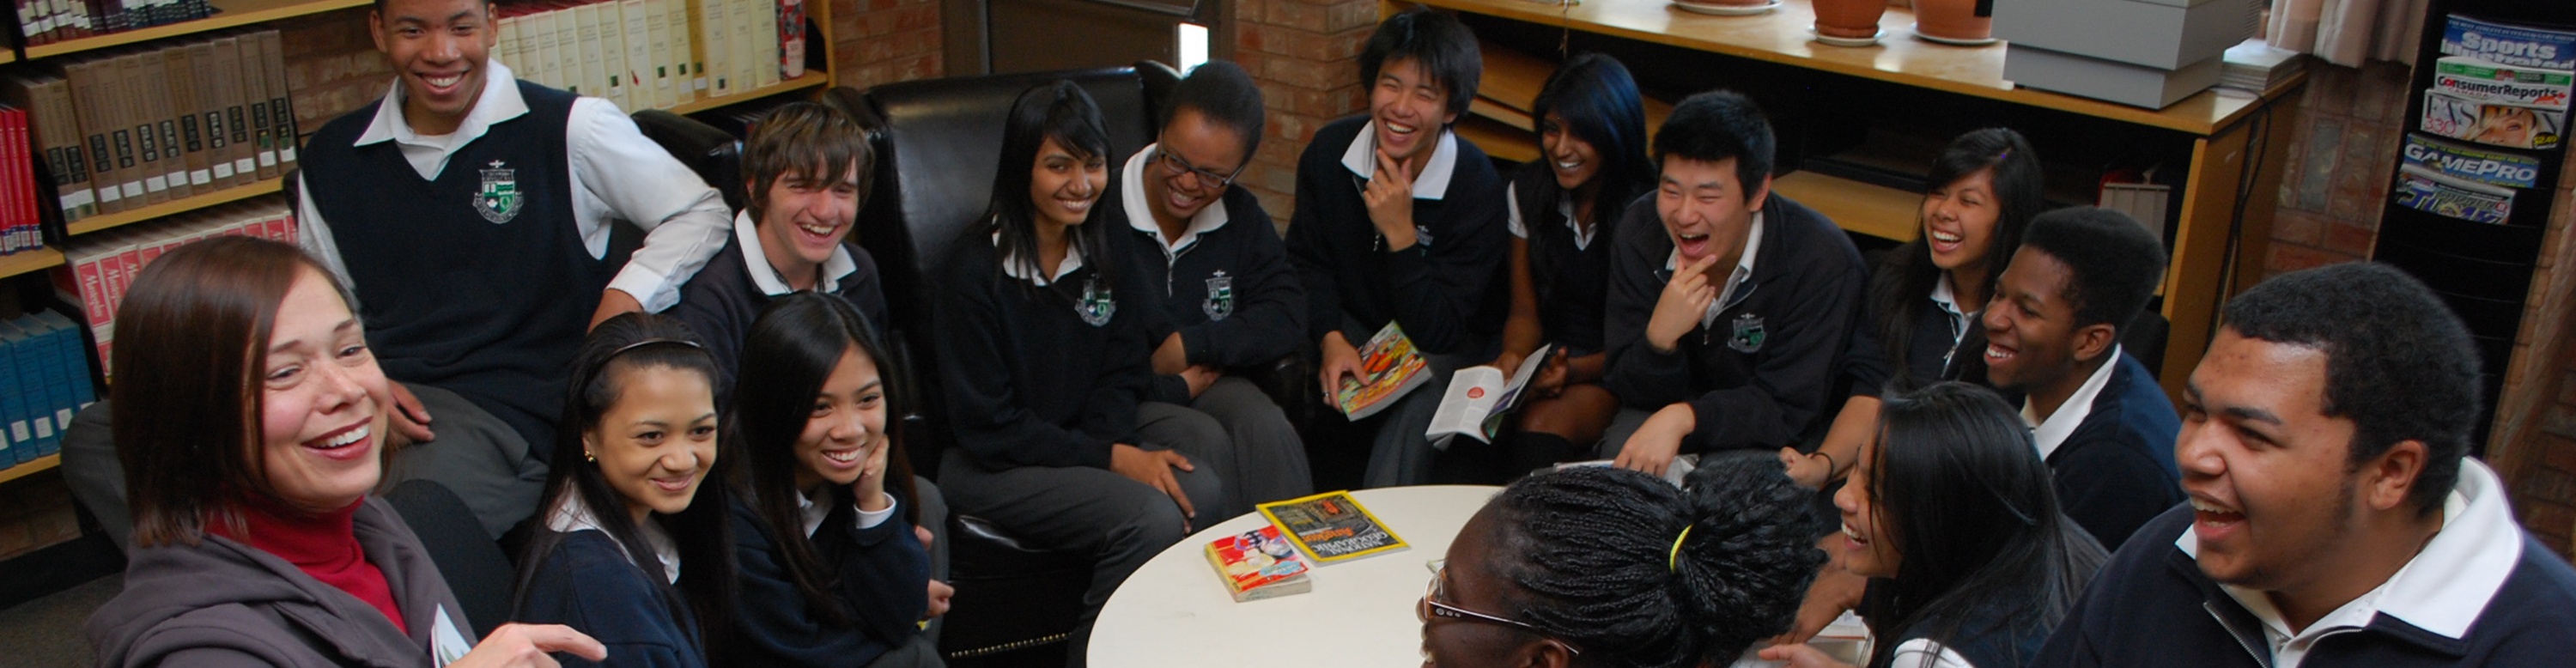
1174	612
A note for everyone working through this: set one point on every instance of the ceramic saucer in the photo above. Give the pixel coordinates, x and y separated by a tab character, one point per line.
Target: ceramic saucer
1953	41
1726	10
1845	41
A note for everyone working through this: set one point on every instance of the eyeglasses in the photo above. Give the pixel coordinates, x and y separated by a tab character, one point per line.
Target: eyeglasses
1432	607
1173	164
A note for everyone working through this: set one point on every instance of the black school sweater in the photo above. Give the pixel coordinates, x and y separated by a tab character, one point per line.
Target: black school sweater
1257	313
1028	381
880	570
1448	290
720	303
1804	295
1573	284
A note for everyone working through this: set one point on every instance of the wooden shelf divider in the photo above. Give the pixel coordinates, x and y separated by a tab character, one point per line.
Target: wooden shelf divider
32	467
812	79
29	261
233	13
174	207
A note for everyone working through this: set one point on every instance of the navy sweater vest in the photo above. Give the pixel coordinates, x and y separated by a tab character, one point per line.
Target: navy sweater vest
476	281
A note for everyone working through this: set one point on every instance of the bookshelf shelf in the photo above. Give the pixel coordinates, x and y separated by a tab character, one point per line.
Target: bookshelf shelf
1864	208
234	13
29	261
811	79
174	207
39	465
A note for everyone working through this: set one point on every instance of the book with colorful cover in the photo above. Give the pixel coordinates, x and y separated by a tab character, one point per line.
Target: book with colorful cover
1332	527
1480	397
1259	564
1389	367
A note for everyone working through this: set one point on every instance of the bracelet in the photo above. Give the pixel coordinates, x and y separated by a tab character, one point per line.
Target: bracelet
1832	468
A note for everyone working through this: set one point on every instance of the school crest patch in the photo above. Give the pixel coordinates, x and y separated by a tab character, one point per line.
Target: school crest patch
1220	296
1097	303
1747	335
499	200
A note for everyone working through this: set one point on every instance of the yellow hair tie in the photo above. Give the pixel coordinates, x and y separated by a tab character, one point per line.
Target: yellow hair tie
1672	559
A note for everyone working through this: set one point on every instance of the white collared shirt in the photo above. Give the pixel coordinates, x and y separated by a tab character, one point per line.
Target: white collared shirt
2441	590
1743	271
1027	269
571	515
1947	297
1140	213
617	174
2049	432
812	514
746	236
1432	183
1564	207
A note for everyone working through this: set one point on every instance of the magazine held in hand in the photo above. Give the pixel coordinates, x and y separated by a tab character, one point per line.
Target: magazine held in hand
1479	398
1389	368
1332	527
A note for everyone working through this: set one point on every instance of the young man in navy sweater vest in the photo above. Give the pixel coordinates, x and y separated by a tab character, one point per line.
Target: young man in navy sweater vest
1401	220
470	213
1230	299
2053	335
2335	519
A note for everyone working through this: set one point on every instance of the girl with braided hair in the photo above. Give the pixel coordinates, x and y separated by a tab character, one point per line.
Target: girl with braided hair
1597	566
1952	517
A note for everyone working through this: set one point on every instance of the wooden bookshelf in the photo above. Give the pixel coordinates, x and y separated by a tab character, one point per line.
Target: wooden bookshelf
812	79
38	465
232	13
174	207
1866	208
29	261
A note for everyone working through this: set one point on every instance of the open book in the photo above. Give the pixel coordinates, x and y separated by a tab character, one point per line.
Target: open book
1478	399
1389	368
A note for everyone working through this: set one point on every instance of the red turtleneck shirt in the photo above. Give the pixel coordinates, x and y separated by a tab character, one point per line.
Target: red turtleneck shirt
324	546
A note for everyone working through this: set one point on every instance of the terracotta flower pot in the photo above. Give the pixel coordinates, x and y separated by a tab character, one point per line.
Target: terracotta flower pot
1952	19
1856	19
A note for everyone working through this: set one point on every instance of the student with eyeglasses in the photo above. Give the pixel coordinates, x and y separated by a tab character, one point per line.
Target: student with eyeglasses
1612	567
1230	299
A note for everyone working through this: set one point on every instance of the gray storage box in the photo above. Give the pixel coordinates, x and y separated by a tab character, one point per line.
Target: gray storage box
2134	85
2166	34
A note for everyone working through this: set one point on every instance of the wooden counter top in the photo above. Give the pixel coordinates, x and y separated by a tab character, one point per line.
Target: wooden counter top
1781	36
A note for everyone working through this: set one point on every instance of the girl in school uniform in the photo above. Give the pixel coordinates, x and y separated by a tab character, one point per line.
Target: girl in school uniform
1921	320
1560	210
634	548
1044	355
1953	518
832	574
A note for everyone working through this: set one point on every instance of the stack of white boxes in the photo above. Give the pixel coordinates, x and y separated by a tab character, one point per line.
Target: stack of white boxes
2146	53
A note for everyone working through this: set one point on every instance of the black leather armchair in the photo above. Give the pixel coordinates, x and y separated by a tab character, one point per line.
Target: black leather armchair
939	146
715	155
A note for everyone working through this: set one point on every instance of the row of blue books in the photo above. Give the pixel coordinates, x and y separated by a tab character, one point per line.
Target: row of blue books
44	379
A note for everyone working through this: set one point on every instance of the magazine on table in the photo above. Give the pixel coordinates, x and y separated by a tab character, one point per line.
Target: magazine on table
1259	564
1480	397
1389	368
1332	527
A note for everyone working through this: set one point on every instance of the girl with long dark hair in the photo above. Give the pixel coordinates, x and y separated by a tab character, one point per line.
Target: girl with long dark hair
1044	354
634	548
831	572
1953	518
1561	208
1921	323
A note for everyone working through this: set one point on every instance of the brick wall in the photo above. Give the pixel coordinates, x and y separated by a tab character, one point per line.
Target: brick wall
2341	161
884	41
2534	446
1304	54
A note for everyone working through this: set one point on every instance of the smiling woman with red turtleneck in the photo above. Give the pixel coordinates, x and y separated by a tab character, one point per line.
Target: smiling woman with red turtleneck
251	424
